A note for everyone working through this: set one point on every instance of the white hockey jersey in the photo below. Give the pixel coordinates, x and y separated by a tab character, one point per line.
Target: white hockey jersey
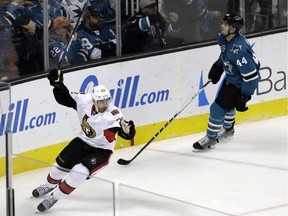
95	125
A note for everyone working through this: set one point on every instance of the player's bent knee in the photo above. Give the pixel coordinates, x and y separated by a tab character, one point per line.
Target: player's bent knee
79	173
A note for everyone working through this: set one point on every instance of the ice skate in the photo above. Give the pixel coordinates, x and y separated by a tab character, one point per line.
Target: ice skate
46	204
205	143
225	132
41	190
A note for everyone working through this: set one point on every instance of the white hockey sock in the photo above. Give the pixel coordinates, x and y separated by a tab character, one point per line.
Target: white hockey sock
55	176
77	175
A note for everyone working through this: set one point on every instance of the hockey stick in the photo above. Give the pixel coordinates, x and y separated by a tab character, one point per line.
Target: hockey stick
126	162
63	55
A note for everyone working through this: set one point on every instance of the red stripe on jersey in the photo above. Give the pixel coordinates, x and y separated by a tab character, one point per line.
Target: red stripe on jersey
65	188
109	135
53	181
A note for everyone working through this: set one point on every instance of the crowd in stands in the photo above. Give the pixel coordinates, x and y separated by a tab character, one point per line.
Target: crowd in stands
81	31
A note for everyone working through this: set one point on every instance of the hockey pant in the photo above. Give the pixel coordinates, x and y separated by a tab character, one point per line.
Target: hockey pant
81	161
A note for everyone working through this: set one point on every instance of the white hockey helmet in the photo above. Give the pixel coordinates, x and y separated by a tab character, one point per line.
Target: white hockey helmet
100	93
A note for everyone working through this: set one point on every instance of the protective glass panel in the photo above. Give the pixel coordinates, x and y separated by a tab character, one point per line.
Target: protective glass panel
72	43
93	196
21	36
5	126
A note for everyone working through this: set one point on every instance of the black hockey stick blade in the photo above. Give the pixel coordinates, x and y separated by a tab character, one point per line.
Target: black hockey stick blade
124	162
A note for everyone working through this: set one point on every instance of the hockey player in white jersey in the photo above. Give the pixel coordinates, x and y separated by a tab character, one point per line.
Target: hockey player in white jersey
90	151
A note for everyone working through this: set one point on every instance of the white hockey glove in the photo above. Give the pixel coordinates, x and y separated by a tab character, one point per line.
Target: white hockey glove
127	126
96	54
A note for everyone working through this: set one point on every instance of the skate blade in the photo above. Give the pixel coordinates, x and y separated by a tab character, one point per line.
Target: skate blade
204	150
39	212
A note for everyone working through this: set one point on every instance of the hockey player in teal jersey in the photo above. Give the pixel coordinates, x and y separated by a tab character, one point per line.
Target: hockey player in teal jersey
239	62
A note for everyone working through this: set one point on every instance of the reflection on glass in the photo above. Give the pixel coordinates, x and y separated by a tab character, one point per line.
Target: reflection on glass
158	27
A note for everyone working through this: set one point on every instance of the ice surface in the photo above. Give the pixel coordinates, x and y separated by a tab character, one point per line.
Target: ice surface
245	175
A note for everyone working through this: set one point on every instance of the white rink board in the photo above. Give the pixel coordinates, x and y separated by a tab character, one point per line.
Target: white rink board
174	78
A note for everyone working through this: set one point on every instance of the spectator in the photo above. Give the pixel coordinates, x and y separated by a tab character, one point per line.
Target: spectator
59	37
107	12
233	6
56	9
145	30
266	13
94	40
31	8
172	28
282	11
258	13
74	9
27	39
8	68
13	10
34	9
193	19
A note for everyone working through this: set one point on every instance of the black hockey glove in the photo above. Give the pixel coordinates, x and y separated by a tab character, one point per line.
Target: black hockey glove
215	73
158	21
55	77
154	18
108	49
127	130
127	126
241	103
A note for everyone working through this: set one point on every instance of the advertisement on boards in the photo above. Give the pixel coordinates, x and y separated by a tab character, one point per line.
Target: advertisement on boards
148	90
